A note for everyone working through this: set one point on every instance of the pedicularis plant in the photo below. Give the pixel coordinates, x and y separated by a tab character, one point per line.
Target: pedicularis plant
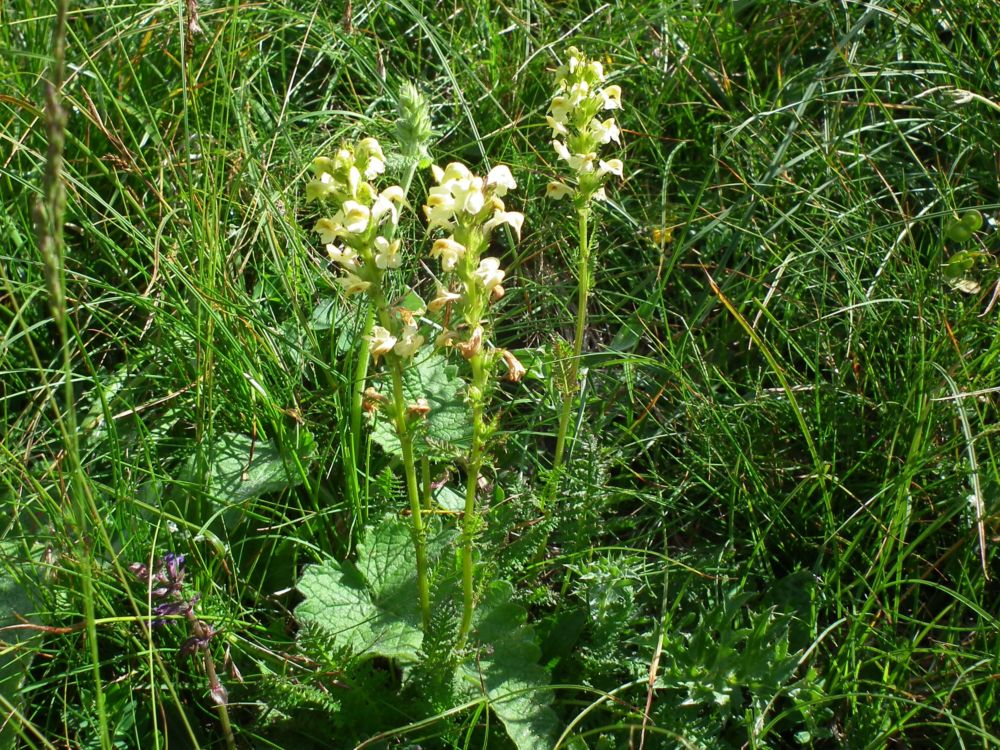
579	133
414	356
359	239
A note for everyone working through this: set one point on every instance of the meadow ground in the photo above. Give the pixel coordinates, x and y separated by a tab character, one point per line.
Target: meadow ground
777	519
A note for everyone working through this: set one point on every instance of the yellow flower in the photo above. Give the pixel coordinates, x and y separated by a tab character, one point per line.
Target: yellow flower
513	218
329	230
370	154
444	297
381	342
355	217
611	97
606	131
501	180
489	273
387	255
611	166
343	256
352	283
449	251
409	343
558	190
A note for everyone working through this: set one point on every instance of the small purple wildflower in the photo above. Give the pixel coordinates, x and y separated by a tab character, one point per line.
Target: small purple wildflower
169	572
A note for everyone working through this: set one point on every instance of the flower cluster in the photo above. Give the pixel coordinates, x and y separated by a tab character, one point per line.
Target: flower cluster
166	586
468	208
358	236
579	129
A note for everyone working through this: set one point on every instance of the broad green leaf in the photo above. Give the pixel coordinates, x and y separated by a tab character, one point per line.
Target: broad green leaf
385	559
446	429
448	499
240	468
370	608
506	672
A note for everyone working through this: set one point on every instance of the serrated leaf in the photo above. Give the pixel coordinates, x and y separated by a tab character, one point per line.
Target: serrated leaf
385	558
371	608
448	422
506	672
241	468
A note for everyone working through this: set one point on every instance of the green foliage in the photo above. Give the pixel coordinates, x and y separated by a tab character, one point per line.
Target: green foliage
822	163
446	430
505	671
240	468
962	228
728	657
20	645
370	608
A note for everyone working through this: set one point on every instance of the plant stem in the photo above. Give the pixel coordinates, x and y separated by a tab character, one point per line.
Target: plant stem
471	486
217	691
49	214
357	406
413	491
381	305
425	481
583	292
361	377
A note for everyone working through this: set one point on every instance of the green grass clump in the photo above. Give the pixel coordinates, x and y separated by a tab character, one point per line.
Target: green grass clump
776	522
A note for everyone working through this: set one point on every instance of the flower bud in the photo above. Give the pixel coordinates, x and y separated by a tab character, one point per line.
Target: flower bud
413	127
372	400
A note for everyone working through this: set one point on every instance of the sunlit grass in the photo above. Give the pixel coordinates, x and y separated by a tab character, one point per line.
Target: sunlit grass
781	389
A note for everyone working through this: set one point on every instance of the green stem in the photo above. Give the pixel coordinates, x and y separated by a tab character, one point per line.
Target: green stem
381	306
471	485
413	492
49	218
361	377
354	442
425	481
583	292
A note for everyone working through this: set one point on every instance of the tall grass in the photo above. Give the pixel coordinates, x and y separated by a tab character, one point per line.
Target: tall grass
784	448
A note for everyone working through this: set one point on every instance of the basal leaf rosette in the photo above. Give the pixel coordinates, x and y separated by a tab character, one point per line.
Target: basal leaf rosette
580	129
468	208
